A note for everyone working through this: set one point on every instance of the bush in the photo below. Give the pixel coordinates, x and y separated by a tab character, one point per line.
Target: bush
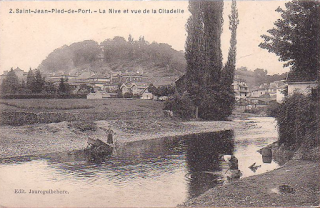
42	96
298	121
83	125
136	96
217	105
273	109
128	95
181	106
23	118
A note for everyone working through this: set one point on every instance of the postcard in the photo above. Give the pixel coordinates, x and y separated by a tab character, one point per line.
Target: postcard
159	103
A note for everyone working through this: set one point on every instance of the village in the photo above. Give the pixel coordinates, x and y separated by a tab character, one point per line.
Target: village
135	84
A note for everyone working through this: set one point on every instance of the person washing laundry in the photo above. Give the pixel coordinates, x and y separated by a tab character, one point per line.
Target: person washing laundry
233	169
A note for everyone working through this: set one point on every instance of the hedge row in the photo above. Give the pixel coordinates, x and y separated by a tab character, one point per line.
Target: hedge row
23	118
42	96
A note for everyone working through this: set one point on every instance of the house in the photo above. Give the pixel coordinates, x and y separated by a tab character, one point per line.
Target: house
146	95
132	77
258	92
133	88
111	87
99	78
241	89
94	95
181	85
19	72
274	89
299	83
280	94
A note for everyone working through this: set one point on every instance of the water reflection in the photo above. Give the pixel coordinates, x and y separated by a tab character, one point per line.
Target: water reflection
203	160
160	172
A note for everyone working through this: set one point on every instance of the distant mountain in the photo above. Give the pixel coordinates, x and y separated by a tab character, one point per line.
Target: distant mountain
158	61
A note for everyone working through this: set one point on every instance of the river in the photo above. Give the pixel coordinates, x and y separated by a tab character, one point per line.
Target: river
160	172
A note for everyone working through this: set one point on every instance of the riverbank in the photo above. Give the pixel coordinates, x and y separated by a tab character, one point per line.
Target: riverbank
300	178
36	139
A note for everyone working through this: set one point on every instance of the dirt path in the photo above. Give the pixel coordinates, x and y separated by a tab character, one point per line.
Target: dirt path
263	190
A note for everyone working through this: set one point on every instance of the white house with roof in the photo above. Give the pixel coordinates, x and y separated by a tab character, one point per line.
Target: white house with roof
298	83
22	75
241	89
146	95
134	88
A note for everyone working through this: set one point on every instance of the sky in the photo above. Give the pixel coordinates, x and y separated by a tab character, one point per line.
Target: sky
27	39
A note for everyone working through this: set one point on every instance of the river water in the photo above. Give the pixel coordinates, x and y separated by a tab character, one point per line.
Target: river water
155	173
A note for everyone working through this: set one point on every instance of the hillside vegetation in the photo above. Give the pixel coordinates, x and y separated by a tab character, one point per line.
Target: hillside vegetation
257	77
158	61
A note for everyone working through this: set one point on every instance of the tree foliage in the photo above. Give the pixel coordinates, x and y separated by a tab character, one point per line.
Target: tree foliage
181	105
210	87
64	88
296	37
10	84
118	54
163	90
298	120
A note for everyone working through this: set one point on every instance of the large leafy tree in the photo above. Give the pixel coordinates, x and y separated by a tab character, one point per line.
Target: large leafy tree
10	83
296	38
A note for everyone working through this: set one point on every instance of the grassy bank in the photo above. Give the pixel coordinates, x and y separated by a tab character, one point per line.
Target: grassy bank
30	111
266	190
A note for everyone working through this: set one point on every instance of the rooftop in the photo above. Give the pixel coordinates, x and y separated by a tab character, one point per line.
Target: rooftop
298	76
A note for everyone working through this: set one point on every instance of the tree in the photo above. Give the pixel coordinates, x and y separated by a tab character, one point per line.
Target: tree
153	89
227	75
10	83
31	81
49	88
39	82
63	87
296	37
210	87
229	69
130	39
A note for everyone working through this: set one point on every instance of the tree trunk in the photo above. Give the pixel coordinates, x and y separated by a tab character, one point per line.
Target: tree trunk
197	112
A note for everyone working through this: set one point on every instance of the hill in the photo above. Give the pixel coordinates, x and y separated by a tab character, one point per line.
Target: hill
257	77
158	61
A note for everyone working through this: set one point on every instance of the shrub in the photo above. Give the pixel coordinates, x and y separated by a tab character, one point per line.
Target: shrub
216	105
42	96
83	125
273	109
23	118
136	96
181	106
298	120
128	95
